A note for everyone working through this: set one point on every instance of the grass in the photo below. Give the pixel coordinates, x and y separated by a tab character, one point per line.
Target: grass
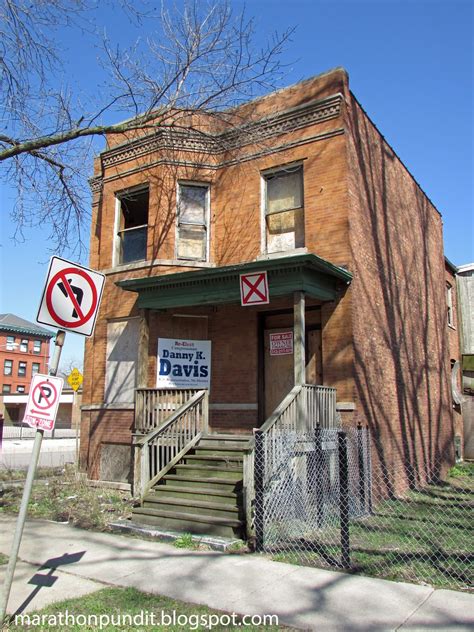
20	475
129	601
3	559
66	498
426	536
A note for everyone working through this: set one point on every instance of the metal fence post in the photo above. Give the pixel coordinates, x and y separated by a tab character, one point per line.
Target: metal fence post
369	470
344	499
259	470
318	475
361	463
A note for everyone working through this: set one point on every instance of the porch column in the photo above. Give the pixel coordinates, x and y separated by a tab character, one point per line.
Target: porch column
299	337
142	382
143	339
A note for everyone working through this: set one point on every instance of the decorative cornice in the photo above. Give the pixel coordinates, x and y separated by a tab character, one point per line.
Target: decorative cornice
168	138
96	184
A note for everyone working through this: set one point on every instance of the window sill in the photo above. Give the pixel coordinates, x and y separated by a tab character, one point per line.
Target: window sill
282	253
140	265
452	327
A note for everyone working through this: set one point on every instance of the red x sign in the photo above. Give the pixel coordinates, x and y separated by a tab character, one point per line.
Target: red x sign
254	289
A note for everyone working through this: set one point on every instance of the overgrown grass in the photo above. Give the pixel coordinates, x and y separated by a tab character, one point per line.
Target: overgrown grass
426	536
66	498
20	475
112	602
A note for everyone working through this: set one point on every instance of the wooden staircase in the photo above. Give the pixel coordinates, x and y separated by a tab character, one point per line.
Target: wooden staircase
202	494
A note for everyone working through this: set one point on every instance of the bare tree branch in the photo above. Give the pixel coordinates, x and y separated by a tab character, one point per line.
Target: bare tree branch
199	58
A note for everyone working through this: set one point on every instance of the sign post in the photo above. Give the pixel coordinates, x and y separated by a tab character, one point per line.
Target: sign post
70	301
75	379
42	396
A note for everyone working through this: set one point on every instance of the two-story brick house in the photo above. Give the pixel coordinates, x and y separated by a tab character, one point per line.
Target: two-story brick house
305	188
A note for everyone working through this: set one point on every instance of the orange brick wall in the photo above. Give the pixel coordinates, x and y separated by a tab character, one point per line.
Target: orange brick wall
399	315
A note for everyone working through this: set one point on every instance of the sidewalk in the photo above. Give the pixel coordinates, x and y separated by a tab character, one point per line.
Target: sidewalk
16	453
306	598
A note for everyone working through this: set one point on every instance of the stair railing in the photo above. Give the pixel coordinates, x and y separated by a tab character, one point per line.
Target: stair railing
305	407
158	451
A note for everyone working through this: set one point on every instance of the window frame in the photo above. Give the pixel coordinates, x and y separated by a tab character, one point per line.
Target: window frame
37	352
118	231
5	367
22	387
6	389
37	364
205	226
450	305
265	177
20	366
10	344
24	343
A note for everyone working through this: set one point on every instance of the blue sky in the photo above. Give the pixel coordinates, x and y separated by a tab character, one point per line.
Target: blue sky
410	64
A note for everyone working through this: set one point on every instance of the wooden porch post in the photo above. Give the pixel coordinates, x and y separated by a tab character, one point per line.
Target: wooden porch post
300	357
143	339
299	342
142	382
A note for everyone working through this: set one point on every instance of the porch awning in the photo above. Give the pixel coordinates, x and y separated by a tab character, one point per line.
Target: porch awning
317	277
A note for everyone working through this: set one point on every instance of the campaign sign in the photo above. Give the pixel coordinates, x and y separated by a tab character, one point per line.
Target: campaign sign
183	363
43	401
281	343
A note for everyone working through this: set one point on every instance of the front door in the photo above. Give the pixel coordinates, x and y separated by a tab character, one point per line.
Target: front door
278	357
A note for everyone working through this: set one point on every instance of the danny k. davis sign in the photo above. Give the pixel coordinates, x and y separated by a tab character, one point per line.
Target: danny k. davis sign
183	363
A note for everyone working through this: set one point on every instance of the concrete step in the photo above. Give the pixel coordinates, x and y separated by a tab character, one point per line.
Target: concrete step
198	507
188	523
206	471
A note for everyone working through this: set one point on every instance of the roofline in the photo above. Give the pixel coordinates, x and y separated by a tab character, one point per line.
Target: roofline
451	265
26	330
467	267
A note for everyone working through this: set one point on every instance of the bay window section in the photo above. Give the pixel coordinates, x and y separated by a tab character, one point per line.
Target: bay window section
192	222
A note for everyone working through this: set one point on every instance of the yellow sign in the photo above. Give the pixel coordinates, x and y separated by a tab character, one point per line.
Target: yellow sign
75	379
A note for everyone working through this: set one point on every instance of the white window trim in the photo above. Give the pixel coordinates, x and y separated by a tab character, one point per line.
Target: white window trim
263	200
118	211
450	306
193	183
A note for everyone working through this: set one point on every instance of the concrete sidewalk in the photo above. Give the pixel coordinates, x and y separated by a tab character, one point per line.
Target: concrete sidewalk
16	453
306	598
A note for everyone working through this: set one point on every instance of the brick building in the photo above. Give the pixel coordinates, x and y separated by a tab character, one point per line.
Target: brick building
24	351
309	191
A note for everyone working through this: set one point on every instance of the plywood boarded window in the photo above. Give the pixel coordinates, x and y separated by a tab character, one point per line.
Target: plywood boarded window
192	221
284	209
121	363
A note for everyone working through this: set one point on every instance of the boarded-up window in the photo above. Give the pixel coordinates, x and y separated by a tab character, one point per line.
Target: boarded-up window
192	218
284	213
122	356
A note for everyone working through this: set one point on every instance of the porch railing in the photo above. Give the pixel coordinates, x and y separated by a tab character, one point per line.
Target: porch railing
158	451
154	405
304	408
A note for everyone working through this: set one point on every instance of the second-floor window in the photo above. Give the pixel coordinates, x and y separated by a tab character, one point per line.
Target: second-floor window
20	388
283	208
132	226
192	221
6	388
36	346
8	367
21	369
35	368
449	301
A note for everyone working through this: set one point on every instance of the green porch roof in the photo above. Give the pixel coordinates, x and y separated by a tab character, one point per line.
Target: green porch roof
308	273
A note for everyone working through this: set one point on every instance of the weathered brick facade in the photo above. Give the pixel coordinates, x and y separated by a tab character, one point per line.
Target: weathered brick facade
384	344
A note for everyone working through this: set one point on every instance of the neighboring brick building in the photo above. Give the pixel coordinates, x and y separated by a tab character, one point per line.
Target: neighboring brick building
24	351
309	191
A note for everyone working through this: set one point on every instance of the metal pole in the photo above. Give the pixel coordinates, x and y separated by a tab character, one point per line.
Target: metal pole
20	523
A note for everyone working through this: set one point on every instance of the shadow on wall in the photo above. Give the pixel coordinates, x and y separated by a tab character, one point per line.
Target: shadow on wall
400	321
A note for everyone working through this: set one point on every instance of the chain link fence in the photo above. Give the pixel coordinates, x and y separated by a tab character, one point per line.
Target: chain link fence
320	501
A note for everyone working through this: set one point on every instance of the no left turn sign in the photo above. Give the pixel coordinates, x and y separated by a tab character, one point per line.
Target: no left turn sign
71	297
43	401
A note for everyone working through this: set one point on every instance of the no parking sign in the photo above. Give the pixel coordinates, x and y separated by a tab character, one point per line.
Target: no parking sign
43	401
71	297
